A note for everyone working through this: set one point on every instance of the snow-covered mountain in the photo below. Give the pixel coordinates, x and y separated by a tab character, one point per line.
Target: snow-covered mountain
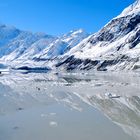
115	46
21	46
15	43
63	44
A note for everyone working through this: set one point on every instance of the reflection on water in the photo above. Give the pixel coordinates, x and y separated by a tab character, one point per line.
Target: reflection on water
124	112
69	106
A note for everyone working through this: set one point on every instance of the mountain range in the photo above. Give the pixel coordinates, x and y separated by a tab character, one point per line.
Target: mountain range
115	47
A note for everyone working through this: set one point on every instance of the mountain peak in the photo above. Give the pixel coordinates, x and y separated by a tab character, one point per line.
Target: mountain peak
132	9
75	32
74	37
137	3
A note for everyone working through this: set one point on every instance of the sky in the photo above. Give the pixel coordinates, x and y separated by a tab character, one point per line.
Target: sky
57	17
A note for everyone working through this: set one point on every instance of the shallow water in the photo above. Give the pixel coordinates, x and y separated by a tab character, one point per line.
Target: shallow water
70	106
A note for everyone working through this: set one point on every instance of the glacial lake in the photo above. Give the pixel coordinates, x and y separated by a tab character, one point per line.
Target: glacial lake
70	106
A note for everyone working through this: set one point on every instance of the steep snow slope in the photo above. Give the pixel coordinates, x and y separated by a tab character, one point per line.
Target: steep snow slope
14	42
21	46
37	46
132	9
58	47
63	44
74	37
6	35
116	46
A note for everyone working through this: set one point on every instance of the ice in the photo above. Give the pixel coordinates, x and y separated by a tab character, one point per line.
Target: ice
73	105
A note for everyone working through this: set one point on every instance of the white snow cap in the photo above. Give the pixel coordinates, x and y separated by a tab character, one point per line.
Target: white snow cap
132	9
137	3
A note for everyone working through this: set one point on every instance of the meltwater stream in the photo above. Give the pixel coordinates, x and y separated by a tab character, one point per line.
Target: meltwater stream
70	106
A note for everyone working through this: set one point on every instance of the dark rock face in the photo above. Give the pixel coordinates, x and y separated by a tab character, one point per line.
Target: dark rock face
135	40
106	63
72	63
105	36
118	27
